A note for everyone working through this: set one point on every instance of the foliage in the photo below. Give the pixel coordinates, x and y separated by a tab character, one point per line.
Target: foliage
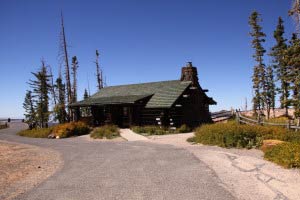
85	111
156	130
41	88
106	131
28	105
258	77
280	66
269	91
70	129
279	120
60	107
36	132
184	129
285	154
229	135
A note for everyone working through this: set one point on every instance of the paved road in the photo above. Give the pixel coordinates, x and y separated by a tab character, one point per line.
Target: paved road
122	170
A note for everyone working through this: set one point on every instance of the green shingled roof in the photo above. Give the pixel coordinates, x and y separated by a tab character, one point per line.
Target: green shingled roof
163	93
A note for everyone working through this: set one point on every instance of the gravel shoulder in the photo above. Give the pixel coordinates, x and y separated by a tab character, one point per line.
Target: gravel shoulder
24	166
243	172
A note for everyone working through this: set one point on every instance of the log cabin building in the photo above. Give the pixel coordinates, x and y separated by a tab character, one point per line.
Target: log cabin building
166	103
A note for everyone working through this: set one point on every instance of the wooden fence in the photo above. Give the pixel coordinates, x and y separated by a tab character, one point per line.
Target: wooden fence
221	115
260	121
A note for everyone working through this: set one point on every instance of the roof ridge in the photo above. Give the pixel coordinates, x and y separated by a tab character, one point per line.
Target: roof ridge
146	83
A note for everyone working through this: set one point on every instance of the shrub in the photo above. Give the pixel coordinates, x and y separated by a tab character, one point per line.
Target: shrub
280	120
183	129
36	133
286	154
156	130
229	135
148	130
70	129
106	131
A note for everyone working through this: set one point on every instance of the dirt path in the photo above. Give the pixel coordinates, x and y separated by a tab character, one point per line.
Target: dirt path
243	172
24	166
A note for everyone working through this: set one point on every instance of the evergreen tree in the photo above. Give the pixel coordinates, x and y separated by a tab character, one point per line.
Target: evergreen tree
41	89
86	111
258	78
28	105
60	108
292	59
86	94
270	91
280	67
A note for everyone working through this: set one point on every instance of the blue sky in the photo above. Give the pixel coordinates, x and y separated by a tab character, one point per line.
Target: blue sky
139	41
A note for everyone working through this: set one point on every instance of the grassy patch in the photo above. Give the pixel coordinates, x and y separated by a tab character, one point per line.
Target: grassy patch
285	154
156	130
36	133
279	120
107	131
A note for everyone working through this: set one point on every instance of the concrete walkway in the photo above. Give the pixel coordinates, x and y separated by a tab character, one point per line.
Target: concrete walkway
243	172
131	136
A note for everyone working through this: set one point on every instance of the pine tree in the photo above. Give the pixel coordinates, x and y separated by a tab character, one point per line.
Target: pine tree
85	111
292	60
86	94
28	105
74	74
280	67
41	88
60	108
295	13
258	78
270	91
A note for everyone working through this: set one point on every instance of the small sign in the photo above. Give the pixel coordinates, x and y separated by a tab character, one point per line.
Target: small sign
157	119
159	123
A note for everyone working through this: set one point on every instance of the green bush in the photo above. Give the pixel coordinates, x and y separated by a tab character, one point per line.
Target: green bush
184	129
71	129
229	135
156	130
148	130
36	133
286	154
107	131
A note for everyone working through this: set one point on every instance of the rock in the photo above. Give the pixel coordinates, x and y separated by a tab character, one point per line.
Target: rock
51	136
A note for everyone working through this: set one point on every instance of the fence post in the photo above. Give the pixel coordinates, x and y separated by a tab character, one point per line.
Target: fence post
237	117
288	126
258	119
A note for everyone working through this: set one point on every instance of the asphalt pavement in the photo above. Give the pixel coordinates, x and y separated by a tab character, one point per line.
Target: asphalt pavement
122	170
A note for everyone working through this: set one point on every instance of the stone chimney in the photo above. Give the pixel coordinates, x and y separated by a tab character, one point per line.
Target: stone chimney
189	73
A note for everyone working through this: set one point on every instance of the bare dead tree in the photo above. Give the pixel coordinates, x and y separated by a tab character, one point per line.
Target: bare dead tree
63	47
52	86
99	71
74	74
